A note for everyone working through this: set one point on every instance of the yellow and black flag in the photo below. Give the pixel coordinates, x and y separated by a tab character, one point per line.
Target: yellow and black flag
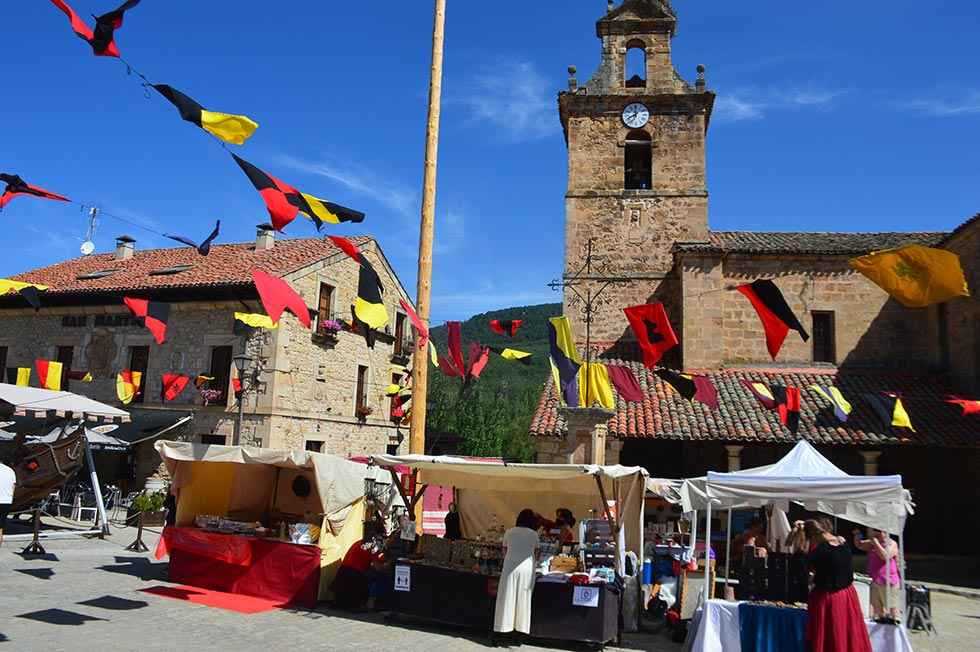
19	376
322	211
889	408
369	307
513	354
229	127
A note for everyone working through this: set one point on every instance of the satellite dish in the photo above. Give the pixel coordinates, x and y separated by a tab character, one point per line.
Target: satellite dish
105	429
87	247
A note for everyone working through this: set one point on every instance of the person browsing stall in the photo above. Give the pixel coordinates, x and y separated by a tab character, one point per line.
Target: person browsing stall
883	570
8	481
562	526
512	611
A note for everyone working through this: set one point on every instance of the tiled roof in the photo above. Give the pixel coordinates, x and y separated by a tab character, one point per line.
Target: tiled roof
786	242
227	265
664	414
964	226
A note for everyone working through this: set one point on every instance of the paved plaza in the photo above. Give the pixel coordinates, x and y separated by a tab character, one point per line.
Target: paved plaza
86	595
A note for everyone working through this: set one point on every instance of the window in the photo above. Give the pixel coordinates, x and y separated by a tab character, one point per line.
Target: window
65	355
324	306
213	440
942	317
221	371
314	446
361	396
635	70
399	334
824	349
639	161
139	360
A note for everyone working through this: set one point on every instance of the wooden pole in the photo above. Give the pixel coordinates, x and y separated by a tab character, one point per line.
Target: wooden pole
420	368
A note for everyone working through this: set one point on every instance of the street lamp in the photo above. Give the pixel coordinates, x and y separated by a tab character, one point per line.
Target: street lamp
242	362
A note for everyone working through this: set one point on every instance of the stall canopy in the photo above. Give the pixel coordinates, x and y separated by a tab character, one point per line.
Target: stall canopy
806	477
502	489
42	402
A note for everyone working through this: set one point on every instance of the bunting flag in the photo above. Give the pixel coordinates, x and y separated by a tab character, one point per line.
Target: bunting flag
205	247
506	327
969	406
433	355
173	385
102	39
19	376
369	306
452	364
565	362
30	291
236	382
252	321
151	314
842	409
514	355
653	331
914	275
276	296
776	315
346	246
231	128
128	385
625	383
594	387
762	393
16	186
201	380
327	211
80	376
691	387
788	406
393	389
889	408
477	360
421	332
49	374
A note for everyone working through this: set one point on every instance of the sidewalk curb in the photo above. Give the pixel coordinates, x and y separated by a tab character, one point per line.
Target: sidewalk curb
970	594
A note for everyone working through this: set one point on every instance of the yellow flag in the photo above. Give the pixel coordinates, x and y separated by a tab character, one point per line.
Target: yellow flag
900	417
256	320
594	386
235	129
433	356
127	385
7	286
24	376
914	275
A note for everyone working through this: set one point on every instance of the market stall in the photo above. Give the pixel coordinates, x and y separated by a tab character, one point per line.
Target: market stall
267	523
579	589
807	478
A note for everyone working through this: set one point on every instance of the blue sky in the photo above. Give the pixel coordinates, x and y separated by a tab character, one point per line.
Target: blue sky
830	116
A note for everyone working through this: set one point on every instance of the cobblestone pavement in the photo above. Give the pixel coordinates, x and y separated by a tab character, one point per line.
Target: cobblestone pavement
85	595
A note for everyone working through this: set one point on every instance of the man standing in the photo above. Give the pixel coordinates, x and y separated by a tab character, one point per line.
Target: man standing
8	480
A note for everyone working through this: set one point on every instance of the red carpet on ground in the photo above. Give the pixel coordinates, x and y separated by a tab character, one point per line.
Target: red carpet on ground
243	604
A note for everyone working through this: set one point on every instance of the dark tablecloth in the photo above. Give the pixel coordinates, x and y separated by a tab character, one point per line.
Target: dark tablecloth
771	629
446	595
554	616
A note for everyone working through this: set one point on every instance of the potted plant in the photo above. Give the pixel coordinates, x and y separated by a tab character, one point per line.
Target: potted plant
151	504
363	412
326	330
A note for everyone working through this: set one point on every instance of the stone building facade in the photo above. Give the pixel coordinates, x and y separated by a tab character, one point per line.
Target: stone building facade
306	382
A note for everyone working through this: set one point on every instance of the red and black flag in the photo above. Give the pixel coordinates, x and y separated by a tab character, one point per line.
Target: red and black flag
788	406
17	186
506	327
229	127
151	314
369	307
173	385
691	387
205	247
970	406
653	331
776	315
346	246
276	296
102	39
236	382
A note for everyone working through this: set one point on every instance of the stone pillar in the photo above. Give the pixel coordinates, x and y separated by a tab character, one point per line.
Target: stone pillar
734	458
870	462
585	438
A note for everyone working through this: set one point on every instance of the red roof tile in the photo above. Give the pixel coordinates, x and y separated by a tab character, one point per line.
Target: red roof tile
664	414
226	266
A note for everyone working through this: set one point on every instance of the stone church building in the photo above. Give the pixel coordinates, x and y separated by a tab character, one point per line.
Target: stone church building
637	213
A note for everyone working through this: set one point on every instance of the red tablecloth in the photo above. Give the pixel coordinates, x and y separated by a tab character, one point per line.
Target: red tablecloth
275	570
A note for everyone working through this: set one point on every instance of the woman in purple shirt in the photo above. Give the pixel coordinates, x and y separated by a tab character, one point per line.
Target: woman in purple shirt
883	569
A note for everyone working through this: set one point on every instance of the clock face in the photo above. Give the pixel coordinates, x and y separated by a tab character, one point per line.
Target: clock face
635	115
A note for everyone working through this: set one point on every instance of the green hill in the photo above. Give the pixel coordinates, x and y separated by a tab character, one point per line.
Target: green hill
492	417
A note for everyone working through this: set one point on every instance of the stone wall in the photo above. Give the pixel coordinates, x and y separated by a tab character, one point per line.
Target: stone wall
963	314
720	326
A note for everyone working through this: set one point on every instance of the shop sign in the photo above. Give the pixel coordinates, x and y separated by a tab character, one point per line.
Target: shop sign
403	578
584	596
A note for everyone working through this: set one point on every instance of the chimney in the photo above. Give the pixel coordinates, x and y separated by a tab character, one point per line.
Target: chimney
265	237
125	246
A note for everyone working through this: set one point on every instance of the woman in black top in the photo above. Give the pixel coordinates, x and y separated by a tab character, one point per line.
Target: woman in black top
835	622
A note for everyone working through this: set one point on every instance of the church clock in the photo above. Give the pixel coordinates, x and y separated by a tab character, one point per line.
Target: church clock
635	115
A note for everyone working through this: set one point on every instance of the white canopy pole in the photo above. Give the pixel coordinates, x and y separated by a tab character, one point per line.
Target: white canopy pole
707	552
96	487
728	549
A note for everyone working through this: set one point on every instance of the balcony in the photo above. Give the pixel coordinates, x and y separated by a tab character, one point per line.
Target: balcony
402	351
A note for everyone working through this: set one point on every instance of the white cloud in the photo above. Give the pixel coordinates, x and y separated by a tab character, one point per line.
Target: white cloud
399	199
944	105
512	97
449	232
755	103
734	108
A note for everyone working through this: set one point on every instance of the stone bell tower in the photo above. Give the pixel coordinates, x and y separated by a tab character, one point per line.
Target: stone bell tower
636	165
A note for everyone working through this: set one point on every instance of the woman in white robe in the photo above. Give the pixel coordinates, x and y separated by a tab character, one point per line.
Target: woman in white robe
513	608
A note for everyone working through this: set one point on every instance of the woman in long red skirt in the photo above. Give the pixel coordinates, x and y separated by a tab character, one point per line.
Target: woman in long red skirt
835	623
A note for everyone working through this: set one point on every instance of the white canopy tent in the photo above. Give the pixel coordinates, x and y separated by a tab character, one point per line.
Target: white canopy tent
40	402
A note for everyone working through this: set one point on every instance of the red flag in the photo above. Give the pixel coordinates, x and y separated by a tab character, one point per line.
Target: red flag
17	186
625	383
788	406
420	328
969	406
507	327
776	315
276	296
49	373
173	385
152	314
346	246
478	358
652	329
454	345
